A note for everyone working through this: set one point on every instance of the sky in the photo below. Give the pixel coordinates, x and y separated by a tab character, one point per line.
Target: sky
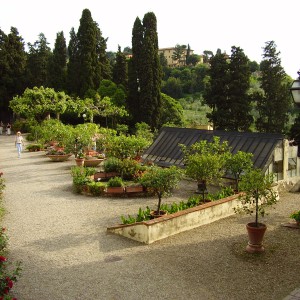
204	25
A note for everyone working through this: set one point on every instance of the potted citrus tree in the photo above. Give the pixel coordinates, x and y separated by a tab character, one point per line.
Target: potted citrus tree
258	192
161	181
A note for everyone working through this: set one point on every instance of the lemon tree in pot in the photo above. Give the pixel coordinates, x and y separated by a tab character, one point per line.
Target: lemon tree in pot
258	192
161	181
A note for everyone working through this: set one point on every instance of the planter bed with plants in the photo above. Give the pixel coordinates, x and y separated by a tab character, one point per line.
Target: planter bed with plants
159	228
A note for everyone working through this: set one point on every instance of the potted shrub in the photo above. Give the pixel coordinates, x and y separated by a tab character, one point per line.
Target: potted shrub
115	185
237	164
80	159
34	147
205	162
257	193
296	216
161	181
111	166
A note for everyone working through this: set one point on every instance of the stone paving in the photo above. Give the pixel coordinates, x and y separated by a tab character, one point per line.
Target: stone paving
67	254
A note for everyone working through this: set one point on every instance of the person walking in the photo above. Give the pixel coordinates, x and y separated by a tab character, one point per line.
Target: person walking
8	129
19	143
1	127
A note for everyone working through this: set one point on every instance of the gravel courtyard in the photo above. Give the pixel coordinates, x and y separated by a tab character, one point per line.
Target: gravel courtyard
61	239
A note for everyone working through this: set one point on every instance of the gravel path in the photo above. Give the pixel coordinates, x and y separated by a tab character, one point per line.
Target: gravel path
61	239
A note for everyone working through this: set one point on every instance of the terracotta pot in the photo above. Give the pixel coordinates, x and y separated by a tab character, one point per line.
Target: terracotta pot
255	235
115	190
79	162
99	175
154	214
134	189
92	162
62	157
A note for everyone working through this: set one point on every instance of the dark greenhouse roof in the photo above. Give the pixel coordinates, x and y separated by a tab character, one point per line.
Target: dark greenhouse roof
165	150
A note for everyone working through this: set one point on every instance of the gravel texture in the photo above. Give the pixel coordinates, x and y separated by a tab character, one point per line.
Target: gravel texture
61	239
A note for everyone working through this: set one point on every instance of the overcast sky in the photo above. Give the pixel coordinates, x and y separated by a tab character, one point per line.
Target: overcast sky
204	25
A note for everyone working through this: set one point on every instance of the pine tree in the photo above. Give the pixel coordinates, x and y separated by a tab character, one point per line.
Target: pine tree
58	64
12	66
274	104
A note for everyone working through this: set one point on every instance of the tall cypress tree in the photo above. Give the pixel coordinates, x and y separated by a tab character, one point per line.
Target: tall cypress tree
38	60
58	64
239	83
150	74
120	69
73	68
134	70
274	104
216	93
87	42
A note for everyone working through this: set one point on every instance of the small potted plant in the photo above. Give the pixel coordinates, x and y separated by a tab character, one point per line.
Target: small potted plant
258	192
115	185
296	216
80	159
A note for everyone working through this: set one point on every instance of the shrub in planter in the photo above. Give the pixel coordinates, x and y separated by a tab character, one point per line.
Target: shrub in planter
112	164
115	182
34	147
128	168
81	177
96	188
296	216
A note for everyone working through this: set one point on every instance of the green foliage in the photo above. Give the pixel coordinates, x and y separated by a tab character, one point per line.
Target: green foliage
96	188
128	168
142	215
296	216
238	163
126	146
112	164
161	181
258	193
81	177
34	147
274	104
205	161
115	182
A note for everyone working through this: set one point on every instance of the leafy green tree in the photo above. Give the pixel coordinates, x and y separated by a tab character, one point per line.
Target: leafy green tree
179	53
120	69
207	55
39	103
172	111
274	104
162	181
205	161
173	87
237	164
58	64
38	60
12	66
238	86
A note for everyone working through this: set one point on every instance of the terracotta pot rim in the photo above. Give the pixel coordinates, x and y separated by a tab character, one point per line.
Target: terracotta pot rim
260	225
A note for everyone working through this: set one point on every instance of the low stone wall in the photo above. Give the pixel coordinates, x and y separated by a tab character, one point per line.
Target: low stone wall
153	230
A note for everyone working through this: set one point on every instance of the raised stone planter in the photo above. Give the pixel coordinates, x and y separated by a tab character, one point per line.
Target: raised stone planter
153	230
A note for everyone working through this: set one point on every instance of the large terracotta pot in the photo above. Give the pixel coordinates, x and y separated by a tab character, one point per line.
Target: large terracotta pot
115	190
255	235
79	162
60	157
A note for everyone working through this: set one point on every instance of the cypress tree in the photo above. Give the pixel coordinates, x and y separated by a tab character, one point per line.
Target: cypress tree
73	68
216	93
87	42
38	60
150	75
239	83
120	69
273	106
58	64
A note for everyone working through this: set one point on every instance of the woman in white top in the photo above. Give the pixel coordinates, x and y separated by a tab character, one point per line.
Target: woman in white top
19	143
